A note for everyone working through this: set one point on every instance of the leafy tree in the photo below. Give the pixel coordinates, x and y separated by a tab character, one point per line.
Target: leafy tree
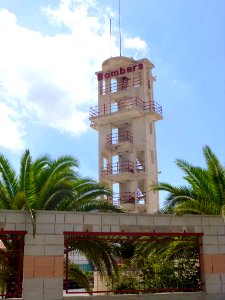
159	273
205	189
157	263
168	262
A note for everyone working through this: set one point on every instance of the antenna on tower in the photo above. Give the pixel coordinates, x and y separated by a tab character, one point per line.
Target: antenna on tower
119	28
110	33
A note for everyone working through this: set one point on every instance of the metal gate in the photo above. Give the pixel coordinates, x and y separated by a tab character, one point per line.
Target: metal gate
11	263
138	262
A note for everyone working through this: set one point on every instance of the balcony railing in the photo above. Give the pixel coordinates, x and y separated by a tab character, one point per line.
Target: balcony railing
127	198
115	138
123	105
123	167
117	168
117	86
123	198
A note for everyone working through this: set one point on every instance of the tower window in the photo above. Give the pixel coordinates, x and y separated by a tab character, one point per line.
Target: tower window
103	87
104	163
151	128
113	86
136	81
152	157
124	83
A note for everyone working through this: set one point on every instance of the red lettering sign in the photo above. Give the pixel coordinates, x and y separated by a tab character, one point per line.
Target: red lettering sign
121	71
100	76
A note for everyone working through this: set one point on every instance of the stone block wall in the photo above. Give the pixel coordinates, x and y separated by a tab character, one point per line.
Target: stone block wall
44	253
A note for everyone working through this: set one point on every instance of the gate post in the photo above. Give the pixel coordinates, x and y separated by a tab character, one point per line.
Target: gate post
43	259
213	255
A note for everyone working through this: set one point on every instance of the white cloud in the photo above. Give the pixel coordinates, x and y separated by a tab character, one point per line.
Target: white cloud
50	79
135	43
11	133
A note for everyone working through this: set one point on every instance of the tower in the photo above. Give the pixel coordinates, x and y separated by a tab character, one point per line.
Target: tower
125	120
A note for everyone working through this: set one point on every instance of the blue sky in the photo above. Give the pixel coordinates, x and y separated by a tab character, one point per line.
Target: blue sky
50	50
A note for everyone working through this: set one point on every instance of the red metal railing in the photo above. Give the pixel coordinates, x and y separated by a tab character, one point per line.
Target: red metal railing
119	167
123	105
106	170
153	106
122	167
120	84
127	197
123	198
115	138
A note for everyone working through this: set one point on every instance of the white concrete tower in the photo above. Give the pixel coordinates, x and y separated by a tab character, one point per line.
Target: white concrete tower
125	119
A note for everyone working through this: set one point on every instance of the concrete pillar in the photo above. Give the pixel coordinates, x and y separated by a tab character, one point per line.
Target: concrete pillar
213	257
43	261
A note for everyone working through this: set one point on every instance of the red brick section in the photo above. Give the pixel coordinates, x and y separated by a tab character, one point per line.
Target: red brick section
213	263
28	267
43	266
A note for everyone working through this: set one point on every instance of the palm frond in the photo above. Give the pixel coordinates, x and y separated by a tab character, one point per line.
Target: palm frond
6	200
197	207
205	192
104	261
79	276
8	176
96	205
216	172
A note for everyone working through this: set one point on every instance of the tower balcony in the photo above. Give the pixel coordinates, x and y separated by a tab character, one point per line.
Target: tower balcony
132	107
119	167
115	138
120	142
123	198
122	171
120	199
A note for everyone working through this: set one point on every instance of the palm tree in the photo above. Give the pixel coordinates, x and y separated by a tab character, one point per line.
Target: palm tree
205	191
53	184
88	195
41	184
203	194
47	184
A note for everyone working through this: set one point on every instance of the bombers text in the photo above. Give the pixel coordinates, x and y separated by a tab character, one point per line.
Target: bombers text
119	71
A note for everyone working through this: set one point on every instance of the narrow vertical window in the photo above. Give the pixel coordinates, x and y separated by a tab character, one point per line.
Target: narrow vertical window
113	85
152	157
105	163
137	81
151	128
124	83
103	87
